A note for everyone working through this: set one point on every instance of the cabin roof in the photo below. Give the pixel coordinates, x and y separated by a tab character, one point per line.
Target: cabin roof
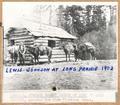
53	32
44	31
49	31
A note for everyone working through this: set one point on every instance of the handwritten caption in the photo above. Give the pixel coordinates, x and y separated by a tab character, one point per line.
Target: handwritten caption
55	69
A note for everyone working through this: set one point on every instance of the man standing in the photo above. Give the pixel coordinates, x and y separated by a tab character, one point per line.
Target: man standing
22	50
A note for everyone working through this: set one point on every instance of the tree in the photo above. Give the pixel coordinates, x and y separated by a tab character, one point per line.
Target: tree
79	20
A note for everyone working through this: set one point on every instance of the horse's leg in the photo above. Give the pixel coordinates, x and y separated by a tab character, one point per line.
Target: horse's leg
75	58
23	61
48	59
90	56
20	59
84	55
75	55
35	61
66	56
69	56
38	59
50	56
93	56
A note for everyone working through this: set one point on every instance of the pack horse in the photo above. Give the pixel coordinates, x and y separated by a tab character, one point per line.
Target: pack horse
37	51
70	48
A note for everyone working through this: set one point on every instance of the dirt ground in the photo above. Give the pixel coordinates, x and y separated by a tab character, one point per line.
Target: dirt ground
64	80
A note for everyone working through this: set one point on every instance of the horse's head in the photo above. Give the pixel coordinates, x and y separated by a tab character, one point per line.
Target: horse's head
33	50
75	46
29	48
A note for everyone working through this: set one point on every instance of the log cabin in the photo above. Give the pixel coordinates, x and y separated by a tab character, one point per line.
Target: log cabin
44	35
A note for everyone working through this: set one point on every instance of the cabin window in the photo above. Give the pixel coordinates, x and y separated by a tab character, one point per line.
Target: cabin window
51	43
12	42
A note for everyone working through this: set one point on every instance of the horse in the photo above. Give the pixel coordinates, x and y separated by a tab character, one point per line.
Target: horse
46	50
91	50
83	51
88	51
70	48
92	53
34	51
13	51
40	50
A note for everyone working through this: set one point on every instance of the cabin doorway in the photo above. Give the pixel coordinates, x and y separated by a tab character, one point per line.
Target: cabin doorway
51	43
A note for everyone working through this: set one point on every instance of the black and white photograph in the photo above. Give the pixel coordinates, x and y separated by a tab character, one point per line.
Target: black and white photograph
66	46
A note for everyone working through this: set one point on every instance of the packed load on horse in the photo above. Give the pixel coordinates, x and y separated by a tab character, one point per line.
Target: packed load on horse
88	51
90	45
91	49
